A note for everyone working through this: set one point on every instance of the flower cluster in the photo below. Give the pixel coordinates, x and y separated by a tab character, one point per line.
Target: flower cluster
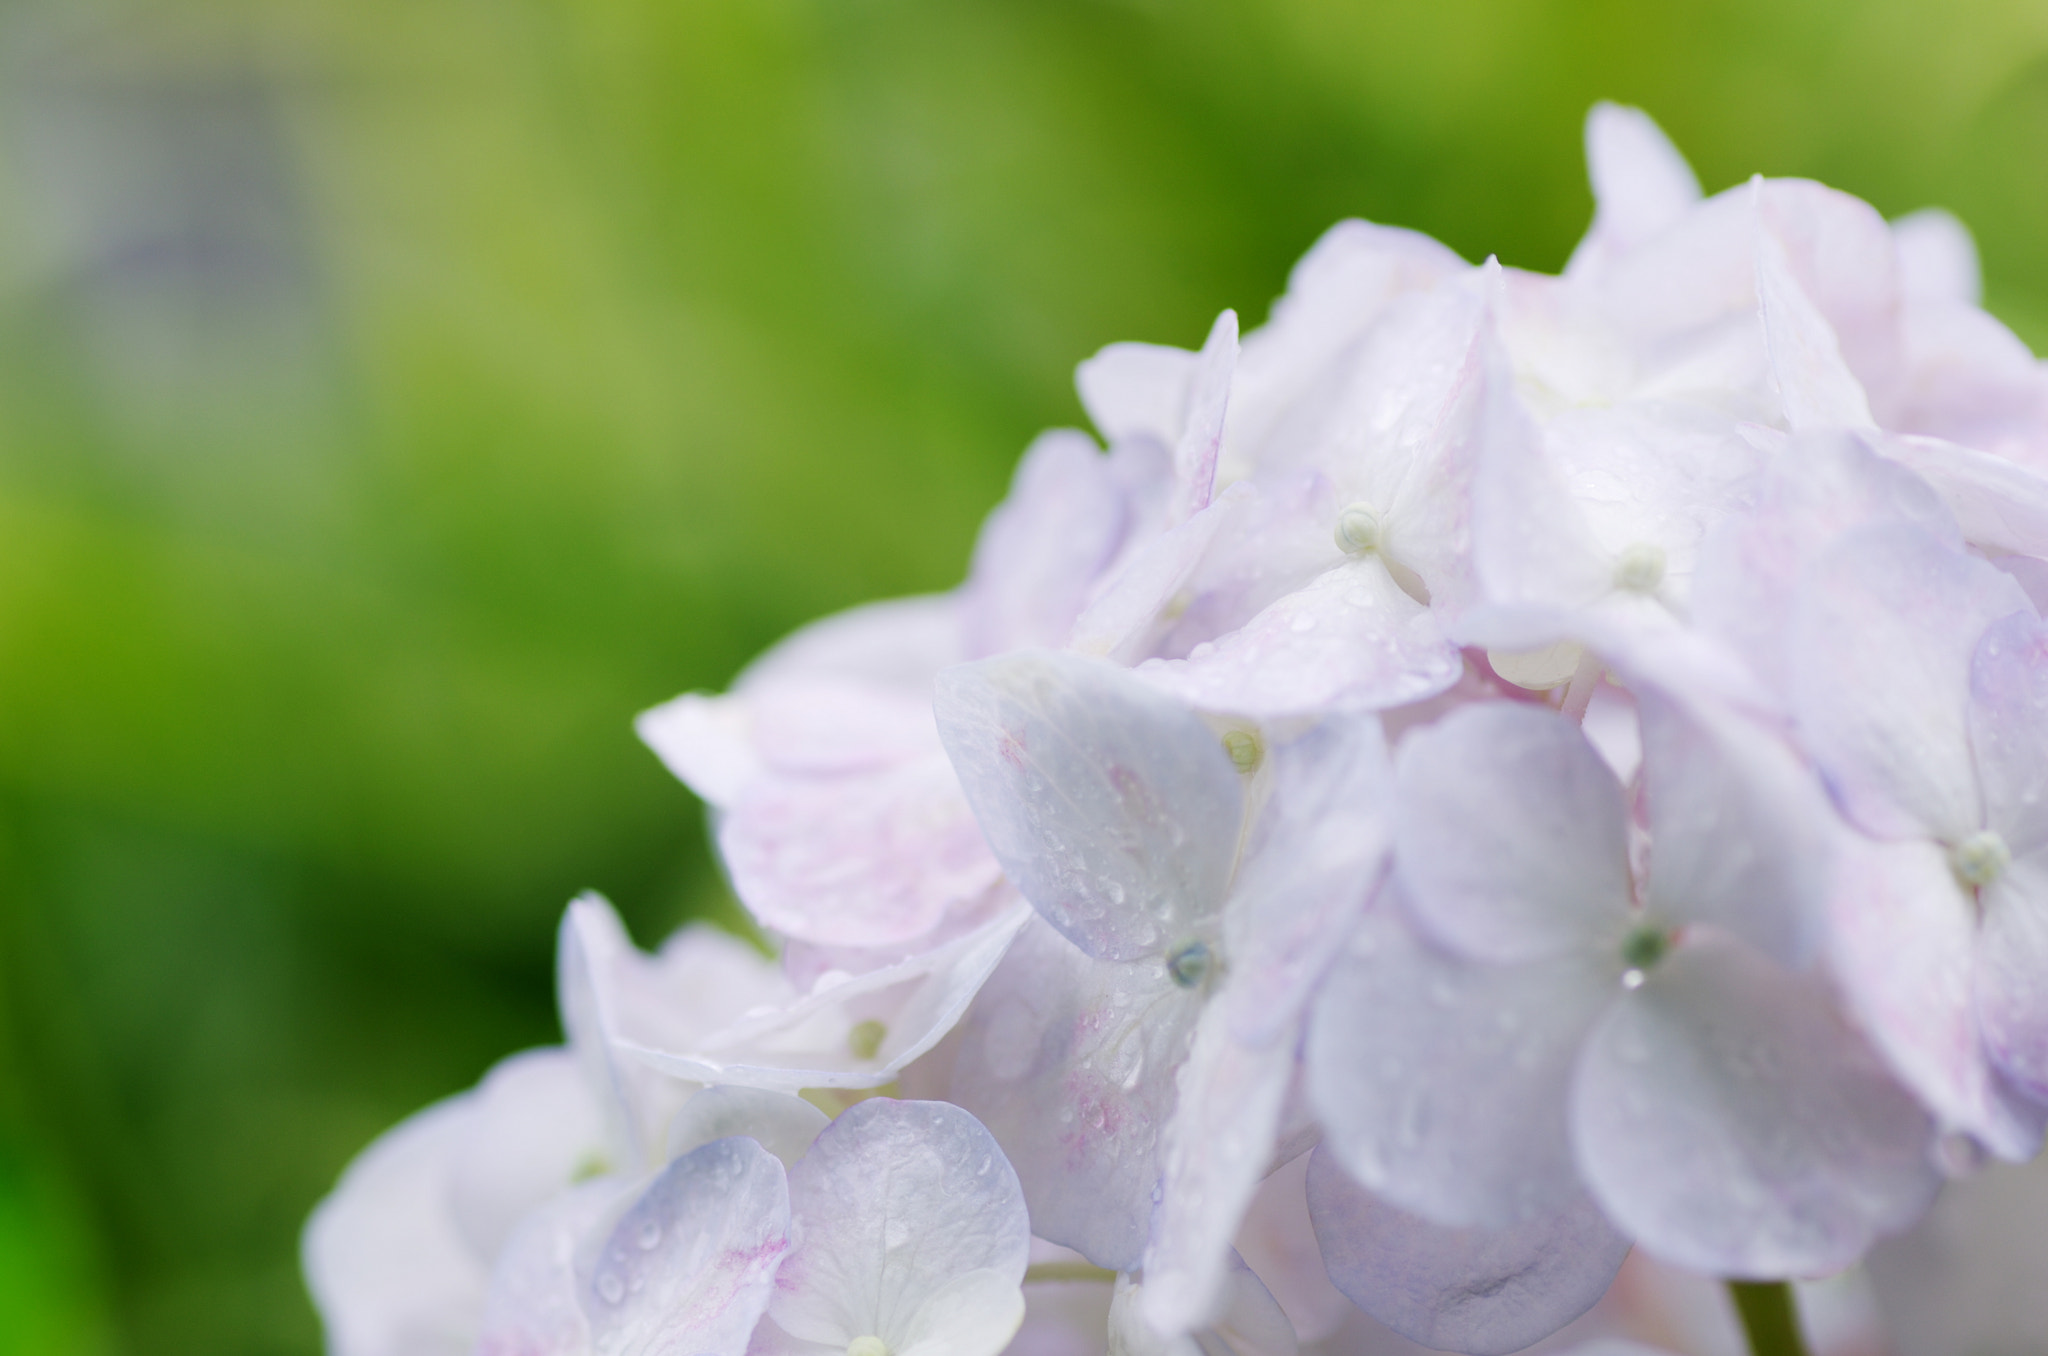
1492	771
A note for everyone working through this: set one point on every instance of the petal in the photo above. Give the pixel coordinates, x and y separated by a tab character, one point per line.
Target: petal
1478	1291
1123	615
390	1271
1070	1063
1937	258
592	953
1815	384
1904	953
536	1130
706	742
1250	1321
1137	391
1442	1084
1742	830
857	1032
535	1305
779	1122
1350	639
1728	1120
2012	994
801	723
1194	456
1999	504
866	859
1041	550
1883	631
1278	1241
692	1262
972	1315
1316	855
1217	1146
1641	184
899	642
894	1203
1510	833
2008	717
1112	807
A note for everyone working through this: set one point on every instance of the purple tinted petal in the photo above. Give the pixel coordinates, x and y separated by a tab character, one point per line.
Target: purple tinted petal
1728	1119
1484	1292
2008	717
1510	833
1442	1084
1041	550
1125	613
1194	458
1111	806
2012	977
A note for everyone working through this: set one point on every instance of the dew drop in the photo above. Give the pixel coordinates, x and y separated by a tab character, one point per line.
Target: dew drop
611	1287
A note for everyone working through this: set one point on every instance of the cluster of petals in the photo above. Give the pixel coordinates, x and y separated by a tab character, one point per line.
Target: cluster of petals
1488	774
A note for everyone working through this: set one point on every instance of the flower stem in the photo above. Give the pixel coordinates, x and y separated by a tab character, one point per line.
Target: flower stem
1769	1317
1068	1271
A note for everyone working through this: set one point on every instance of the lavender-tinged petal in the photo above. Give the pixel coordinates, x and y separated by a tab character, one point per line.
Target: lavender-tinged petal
1483	1292
536	1131
1129	606
2008	720
1042	549
1111	806
1815	386
2000	505
1729	1120
1641	184
1442	1084
780	1122
896	1206
1248	1321
535	1306
1194	456
1070	1063
1349	639
1510	834
690	1265
2012	978
1883	632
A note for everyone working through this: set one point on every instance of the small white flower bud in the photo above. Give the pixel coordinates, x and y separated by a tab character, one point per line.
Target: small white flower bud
1639	568
1980	859
1358	529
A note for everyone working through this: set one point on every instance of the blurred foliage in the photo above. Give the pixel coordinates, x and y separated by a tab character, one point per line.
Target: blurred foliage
396	395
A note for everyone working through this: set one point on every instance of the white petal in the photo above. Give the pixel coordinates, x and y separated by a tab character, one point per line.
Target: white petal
2012	978
690	1265
1510	834
1315	857
857	1032
1112	807
972	1315
1937	258
1350	639
1041	550
1070	1063
895	1203
1885	626
1815	384
1729	1121
1250	1323
1999	504
389	1270
705	741
779	1122
535	1306
1194	456
1742	830
1124	614
899	642
1217	1146
1442	1084
1137	391
2009	729
1641	184
537	1129
592	952
1468	1290
1904	952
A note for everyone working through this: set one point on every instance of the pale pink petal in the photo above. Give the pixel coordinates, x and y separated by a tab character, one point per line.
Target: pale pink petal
1641	184
1128	608
537	1129
1070	1063
900	642
1278	1241
1815	385
707	742
1194	456
827	724
535	1303
1112	807
1999	504
1937	258
1137	391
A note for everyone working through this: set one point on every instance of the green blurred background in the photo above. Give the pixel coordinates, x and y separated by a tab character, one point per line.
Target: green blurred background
397	395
